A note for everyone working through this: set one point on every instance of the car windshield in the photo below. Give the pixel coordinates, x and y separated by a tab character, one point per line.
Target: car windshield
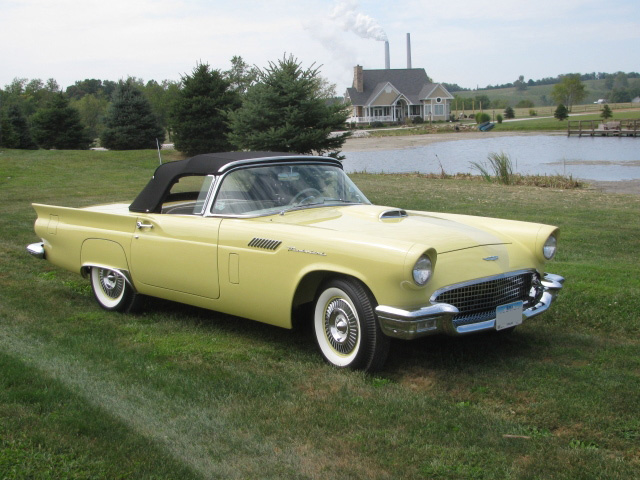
279	188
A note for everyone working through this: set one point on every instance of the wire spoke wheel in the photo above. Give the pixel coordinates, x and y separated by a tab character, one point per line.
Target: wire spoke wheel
346	328
111	290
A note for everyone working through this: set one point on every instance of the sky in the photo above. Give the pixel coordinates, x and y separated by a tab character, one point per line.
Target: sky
471	43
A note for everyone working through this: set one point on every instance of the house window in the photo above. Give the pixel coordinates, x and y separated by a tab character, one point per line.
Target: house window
427	110
381	111
414	110
438	110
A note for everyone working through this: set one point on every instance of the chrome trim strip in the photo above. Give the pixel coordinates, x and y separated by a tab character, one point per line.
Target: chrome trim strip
437	318
86	267
260	161
37	250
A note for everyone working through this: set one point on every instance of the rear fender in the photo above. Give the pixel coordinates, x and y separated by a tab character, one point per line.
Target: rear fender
104	254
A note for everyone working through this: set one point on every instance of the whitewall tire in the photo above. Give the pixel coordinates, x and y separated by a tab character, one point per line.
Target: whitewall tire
111	290
346	328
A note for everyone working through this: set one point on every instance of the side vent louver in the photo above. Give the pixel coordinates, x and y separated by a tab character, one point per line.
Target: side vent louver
393	214
264	243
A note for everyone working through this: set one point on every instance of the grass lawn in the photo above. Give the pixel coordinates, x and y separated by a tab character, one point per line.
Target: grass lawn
179	392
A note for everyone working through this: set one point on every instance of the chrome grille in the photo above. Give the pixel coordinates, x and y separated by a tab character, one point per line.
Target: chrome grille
477	301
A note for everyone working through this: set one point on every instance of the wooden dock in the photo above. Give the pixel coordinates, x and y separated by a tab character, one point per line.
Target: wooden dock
598	128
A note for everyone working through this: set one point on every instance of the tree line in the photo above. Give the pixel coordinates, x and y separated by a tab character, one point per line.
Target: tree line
568	89
282	107
521	84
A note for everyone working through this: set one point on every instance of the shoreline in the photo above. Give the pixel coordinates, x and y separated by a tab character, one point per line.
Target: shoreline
369	144
397	142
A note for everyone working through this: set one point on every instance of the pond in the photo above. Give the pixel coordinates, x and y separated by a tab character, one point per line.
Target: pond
598	158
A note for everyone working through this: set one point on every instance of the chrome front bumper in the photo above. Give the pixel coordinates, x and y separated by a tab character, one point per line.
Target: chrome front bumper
437	318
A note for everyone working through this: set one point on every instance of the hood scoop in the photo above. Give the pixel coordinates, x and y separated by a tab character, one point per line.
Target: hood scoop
394	214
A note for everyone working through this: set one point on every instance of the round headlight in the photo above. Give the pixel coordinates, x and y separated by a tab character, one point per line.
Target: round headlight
549	248
422	270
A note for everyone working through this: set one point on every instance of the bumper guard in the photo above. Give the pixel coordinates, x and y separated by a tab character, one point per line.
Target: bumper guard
437	318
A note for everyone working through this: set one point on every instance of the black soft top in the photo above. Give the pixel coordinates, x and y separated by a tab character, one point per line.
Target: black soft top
151	196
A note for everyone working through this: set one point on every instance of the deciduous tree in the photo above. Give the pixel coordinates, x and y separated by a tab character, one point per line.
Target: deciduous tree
569	91
162	97
240	75
284	111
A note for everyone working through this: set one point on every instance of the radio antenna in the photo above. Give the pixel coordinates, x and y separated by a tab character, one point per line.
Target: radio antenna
159	156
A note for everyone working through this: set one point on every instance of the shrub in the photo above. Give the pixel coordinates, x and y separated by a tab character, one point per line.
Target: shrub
377	124
533	113
525	104
499	118
509	113
482	117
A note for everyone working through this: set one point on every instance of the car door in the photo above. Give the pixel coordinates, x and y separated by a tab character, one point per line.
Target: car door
177	250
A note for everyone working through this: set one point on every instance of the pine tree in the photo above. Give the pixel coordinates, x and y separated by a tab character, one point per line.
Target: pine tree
561	113
285	111
199	116
606	112
509	113
130	123
57	125
20	134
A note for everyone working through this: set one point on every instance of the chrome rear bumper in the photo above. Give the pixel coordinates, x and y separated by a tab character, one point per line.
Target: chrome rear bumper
36	249
437	318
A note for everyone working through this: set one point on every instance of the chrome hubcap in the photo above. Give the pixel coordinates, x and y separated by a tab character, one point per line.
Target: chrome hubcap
112	283
341	326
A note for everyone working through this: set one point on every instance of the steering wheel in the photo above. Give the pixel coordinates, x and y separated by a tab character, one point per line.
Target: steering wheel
305	195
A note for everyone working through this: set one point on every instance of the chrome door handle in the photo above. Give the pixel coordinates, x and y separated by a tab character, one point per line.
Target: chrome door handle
143	225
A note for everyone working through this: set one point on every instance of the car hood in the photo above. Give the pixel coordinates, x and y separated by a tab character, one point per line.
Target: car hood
445	235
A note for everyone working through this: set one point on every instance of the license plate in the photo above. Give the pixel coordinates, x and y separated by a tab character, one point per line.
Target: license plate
508	315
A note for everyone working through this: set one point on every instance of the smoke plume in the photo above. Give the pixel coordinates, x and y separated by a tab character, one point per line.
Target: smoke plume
347	15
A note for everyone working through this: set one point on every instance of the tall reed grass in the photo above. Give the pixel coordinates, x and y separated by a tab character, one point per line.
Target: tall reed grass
501	165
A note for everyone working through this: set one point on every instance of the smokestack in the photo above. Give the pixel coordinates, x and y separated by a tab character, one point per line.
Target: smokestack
387	61
408	50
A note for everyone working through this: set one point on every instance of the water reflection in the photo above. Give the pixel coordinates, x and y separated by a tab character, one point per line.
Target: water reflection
608	159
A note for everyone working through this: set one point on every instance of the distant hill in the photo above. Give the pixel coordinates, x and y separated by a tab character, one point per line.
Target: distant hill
540	95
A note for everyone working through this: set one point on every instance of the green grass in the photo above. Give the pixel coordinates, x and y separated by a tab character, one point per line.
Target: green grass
178	392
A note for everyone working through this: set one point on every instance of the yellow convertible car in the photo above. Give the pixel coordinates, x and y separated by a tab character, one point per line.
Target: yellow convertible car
267	235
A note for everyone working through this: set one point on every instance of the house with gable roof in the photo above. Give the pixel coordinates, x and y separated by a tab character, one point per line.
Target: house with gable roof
393	95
